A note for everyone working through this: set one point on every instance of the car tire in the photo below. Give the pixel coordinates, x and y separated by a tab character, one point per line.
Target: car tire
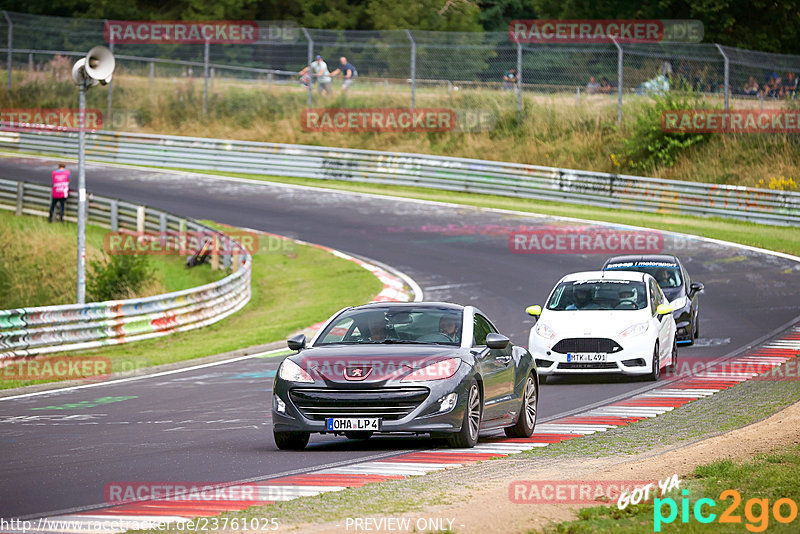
527	414
674	363
655	374
363	434
467	437
291	441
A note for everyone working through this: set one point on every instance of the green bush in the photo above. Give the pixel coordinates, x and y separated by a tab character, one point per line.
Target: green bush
649	145
120	277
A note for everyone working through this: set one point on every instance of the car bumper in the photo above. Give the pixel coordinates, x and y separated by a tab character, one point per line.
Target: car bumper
635	358
684	330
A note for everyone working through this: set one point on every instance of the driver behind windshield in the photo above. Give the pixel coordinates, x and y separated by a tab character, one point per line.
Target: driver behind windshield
582	298
449	327
376	325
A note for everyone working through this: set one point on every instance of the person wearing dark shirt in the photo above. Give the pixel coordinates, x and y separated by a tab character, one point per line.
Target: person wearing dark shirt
509	79
348	72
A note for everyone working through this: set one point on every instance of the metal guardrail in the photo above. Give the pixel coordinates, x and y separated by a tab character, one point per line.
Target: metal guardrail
47	329
438	172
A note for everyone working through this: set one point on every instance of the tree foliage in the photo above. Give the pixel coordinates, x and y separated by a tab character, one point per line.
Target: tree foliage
768	25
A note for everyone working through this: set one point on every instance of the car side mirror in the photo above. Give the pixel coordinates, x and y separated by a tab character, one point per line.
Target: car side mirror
536	311
496	341
297	342
696	287
664	309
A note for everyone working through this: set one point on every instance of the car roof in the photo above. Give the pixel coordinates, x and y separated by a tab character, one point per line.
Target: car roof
633	276
636	258
415	305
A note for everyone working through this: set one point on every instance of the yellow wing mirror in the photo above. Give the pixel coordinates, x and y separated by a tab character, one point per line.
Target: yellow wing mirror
664	309
536	311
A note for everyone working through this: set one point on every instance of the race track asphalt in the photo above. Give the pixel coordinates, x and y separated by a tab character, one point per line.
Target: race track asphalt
60	449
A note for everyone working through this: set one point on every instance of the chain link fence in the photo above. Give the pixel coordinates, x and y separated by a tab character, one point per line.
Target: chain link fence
412	68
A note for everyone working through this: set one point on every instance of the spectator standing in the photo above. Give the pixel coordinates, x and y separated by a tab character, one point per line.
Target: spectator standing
319	74
348	72
60	191
592	87
510	80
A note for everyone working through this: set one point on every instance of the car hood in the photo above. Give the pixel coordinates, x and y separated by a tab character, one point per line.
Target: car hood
371	364
592	323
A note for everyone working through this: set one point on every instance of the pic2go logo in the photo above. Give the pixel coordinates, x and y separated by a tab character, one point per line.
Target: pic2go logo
756	511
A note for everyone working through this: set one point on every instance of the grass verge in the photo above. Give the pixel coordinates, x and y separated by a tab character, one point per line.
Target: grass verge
37	266
760	484
291	288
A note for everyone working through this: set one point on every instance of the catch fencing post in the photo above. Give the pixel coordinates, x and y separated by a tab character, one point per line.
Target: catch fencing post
10	45
152	72
619	81
727	74
205	79
110	92
519	81
30	62
413	69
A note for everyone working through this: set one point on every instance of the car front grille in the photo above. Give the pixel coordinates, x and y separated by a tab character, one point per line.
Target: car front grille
586	344
387	403
587	365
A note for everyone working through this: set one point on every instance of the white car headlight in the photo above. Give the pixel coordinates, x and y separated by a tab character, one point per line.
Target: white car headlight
545	331
292	372
635	330
679	302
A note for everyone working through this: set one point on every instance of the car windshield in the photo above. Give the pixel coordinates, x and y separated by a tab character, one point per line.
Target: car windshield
668	275
598	295
441	326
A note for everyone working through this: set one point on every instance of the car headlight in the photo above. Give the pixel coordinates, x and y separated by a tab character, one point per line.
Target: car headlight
292	372
679	302
635	330
545	331
435	371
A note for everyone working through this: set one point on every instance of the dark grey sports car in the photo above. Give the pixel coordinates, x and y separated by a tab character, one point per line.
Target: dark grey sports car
425	368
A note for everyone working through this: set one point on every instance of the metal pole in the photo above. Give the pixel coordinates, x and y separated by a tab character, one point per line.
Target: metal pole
82	194
519	81
413	69
10	45
619	81
152	73
727	74
110	94
30	62
205	79
310	59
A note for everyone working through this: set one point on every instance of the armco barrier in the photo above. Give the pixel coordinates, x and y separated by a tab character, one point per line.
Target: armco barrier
437	172
47	329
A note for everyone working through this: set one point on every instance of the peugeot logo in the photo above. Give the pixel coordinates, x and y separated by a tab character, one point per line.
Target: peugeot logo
357	373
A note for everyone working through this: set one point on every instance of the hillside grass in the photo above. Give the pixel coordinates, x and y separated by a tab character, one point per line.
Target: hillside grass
38	263
556	129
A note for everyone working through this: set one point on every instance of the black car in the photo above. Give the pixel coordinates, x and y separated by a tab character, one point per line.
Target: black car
676	284
424	368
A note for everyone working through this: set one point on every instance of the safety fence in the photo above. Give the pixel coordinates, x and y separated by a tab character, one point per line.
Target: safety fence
417	64
615	191
47	329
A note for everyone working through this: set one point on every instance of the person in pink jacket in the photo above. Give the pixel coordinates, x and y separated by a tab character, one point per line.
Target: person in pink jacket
60	191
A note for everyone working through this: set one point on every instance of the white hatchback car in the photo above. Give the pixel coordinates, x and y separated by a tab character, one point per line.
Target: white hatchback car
604	322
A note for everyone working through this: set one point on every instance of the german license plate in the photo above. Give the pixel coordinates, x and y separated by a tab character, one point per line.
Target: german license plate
586	357
347	424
